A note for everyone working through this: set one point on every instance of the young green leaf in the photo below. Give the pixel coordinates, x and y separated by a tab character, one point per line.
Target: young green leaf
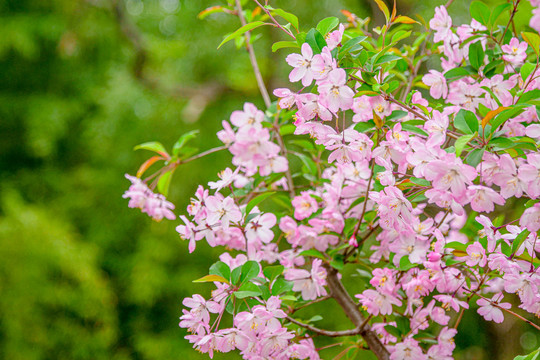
326	25
480	12
461	142
183	140
241	31
466	121
212	278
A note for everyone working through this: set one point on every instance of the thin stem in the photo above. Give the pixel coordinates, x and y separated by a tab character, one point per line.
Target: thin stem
281	143
323	332
388	97
253	59
514	10
204	153
273	19
324	298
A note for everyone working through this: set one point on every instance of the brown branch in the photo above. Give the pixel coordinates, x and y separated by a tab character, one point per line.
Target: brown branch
355	331
342	297
253	59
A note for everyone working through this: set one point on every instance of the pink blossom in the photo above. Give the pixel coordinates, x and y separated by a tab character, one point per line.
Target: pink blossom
286	97
155	205
437	84
477	255
441	23
407	350
531	218
530	174
304	205
335	94
223	210
302	65
378	302
450	173
311	284
250	116
260	228
483	198
491	312
515	52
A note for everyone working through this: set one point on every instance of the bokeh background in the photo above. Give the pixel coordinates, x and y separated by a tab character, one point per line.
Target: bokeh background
82	82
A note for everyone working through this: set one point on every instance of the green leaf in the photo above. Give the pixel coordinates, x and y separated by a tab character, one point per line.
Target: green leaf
272	272
405	264
326	25
287	129
532	356
392	330
386	58
476	55
280	286
315	40
475	157
183	140
497	12
154	146
400	35
164	182
241	31
313	253
247	290
529	96
466	121
533	40
352	42
501	118
461	142
212	278
257	200
210	10
480	12
284	44
458	72
519	240
338	262
221	269
384	9
291	18
235	275
526	70
250	269
418	181
501	143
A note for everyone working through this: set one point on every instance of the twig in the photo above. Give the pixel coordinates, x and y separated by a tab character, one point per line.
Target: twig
321	299
388	97
204	153
514	10
283	148
253	59
274	20
355	331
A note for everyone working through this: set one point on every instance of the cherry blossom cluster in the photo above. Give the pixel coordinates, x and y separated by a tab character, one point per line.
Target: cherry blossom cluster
430	187
155	205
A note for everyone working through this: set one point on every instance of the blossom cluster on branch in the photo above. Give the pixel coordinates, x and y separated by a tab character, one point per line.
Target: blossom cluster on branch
425	180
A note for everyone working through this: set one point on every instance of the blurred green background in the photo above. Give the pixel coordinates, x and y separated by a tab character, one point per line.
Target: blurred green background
82	82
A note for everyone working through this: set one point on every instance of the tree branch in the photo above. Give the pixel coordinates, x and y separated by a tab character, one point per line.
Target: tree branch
253	59
328	333
338	292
